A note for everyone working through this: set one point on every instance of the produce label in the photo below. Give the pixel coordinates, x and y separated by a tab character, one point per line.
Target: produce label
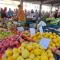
44	43
41	29
32	31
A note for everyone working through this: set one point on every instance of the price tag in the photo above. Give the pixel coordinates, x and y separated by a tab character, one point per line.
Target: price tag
44	43
32	31
20	28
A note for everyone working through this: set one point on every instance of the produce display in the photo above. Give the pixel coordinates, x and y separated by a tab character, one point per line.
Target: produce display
23	46
28	51
53	21
8	43
4	34
50	19
55	39
13	41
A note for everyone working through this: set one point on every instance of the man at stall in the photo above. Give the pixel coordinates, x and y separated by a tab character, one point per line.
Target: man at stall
21	15
10	13
56	14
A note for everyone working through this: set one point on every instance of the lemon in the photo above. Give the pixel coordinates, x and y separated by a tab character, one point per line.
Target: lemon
9	52
25	53
15	50
20	58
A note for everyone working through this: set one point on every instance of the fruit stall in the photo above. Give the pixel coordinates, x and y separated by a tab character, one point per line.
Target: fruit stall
53	21
23	46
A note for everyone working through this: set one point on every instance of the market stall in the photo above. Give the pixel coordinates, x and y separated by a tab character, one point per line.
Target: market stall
18	43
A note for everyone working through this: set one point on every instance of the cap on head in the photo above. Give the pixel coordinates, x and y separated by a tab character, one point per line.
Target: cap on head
19	5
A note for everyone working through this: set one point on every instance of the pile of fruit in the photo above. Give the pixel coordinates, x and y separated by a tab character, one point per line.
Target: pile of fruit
28	51
21	46
4	34
8	43
13	41
55	39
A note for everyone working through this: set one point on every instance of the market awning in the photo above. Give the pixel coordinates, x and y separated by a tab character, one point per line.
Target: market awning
54	2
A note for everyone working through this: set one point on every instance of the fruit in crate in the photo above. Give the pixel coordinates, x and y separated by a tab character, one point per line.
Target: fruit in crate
10	42
55	39
37	36
27	38
37	53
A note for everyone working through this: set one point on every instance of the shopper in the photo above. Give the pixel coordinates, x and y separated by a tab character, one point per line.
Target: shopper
32	11
36	15
51	15
56	52
10	13
0	12
56	14
21	15
4	12
15	13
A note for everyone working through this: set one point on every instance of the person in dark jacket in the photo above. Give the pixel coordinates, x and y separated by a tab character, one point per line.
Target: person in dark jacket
3	12
10	13
56	14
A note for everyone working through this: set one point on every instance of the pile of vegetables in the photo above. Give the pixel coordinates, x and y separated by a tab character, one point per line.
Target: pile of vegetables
53	21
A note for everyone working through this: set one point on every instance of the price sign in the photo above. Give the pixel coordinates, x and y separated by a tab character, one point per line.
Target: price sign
32	31
44	43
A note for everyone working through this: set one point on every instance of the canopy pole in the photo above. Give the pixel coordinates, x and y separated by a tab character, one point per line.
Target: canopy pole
51	8
21	2
58	8
40	8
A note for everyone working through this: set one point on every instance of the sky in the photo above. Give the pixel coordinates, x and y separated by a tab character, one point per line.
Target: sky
27	6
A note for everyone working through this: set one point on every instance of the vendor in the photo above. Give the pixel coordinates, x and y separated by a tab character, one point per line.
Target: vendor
3	12
21	15
58	14
51	15
10	13
56	51
0	12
